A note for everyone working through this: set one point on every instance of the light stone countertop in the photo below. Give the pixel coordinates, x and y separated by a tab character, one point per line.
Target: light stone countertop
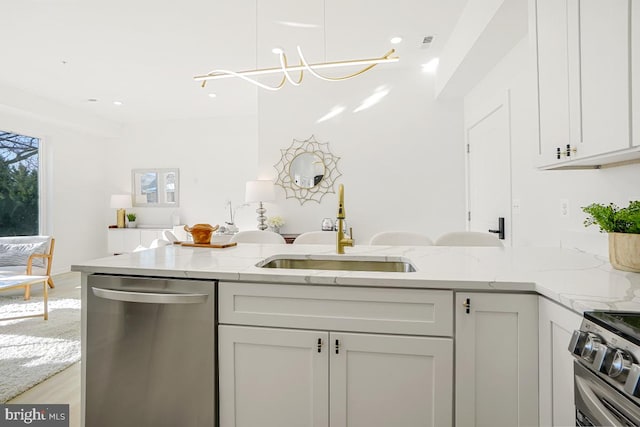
575	279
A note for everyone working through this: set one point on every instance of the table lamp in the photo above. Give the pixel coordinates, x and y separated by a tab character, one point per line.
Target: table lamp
121	202
260	191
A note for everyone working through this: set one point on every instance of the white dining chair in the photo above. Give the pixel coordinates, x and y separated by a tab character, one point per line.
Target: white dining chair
468	238
400	238
257	236
316	238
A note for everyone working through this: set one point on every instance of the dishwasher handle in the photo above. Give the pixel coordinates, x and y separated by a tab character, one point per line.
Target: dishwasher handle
149	297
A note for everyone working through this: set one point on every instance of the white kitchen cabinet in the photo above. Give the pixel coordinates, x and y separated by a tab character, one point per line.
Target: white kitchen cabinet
285	377
583	80
553	76
386	356
385	380
556	324
635	72
273	377
604	76
496	359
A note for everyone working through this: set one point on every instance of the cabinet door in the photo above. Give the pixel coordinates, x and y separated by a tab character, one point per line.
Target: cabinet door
148	236
635	71
552	28
122	240
384	380
556	324
272	377
496	360
604	58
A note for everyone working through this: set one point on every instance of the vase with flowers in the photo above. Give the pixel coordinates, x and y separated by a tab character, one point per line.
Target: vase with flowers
275	222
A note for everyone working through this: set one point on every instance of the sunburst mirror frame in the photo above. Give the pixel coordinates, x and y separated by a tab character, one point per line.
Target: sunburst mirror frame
318	191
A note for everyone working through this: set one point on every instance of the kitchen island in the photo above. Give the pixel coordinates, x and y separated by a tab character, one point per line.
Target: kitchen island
320	347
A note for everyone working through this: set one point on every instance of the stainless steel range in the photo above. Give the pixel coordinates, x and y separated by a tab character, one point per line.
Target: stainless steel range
607	369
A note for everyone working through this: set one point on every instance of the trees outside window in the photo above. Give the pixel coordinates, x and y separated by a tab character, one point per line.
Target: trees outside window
19	192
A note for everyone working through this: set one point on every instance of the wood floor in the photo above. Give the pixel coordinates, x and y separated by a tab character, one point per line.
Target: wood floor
63	387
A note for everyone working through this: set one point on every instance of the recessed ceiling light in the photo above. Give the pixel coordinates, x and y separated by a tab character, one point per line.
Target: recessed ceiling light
117	103
396	40
431	66
277	50
212	95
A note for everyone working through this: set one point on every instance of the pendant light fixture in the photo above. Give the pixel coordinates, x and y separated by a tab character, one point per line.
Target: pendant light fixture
286	70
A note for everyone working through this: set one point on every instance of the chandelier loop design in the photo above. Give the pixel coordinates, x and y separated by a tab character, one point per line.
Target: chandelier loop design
286	70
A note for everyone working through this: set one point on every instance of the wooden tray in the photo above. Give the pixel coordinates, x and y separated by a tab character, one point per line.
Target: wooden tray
211	245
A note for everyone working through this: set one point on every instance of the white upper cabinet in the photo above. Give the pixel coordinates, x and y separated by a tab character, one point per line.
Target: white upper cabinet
553	76
604	71
635	71
584	82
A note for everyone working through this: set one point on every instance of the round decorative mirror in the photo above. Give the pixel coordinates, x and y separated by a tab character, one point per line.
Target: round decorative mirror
307	170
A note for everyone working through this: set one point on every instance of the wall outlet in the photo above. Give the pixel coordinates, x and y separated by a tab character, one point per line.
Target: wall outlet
564	207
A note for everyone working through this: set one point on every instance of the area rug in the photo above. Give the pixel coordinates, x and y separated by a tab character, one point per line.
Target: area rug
32	350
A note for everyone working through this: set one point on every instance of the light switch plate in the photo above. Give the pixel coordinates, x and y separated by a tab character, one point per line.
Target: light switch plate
564	207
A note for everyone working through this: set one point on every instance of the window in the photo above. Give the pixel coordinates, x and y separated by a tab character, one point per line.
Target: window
19	189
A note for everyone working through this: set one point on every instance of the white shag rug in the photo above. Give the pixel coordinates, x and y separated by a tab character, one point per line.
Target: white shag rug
32	350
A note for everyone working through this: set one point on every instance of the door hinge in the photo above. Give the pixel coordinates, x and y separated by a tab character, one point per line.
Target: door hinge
468	148
467	305
468	215
337	346
319	345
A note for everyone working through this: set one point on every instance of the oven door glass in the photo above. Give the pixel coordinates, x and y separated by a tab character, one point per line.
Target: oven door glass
599	404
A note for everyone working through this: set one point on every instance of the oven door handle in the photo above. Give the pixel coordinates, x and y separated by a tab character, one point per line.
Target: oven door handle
596	408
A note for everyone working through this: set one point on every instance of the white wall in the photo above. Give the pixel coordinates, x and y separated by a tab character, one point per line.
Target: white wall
216	156
74	173
401	159
539	222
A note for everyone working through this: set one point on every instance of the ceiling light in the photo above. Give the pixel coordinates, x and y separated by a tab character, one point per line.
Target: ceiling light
277	50
431	66
92	100
396	40
118	103
286	69
212	95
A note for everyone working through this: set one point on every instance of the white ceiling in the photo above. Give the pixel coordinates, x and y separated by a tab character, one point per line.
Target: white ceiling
145	52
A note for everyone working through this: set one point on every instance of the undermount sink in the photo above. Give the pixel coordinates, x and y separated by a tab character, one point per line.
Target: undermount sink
398	265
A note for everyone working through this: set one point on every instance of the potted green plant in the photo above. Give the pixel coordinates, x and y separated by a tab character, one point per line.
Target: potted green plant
623	226
131	217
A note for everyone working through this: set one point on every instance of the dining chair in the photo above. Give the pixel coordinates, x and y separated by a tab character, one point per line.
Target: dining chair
316	238
257	236
396	238
468	238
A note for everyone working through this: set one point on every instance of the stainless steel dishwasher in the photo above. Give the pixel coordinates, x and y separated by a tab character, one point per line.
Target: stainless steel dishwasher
151	352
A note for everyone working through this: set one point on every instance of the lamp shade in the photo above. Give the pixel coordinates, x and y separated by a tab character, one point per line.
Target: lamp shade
260	191
120	201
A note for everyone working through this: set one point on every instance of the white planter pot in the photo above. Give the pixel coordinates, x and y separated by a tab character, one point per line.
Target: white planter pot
131	224
624	251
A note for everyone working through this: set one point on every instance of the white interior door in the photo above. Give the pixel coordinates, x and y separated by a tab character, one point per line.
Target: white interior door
489	168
